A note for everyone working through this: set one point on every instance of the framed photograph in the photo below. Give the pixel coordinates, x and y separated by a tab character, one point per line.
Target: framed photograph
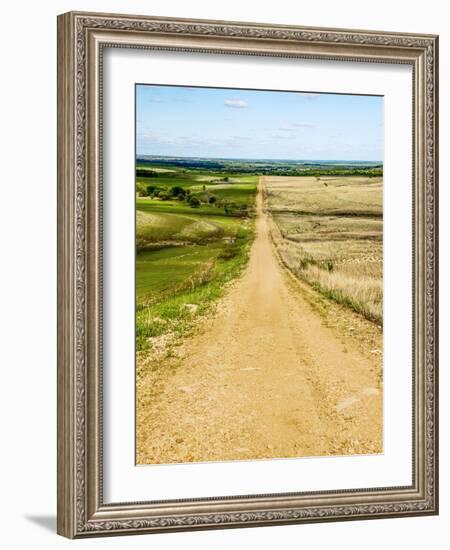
247	276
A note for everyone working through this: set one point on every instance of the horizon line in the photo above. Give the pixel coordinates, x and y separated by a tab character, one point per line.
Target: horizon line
255	158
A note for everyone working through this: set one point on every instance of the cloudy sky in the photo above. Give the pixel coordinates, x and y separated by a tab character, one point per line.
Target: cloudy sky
230	123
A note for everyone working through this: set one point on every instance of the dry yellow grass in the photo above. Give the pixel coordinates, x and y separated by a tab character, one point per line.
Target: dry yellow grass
329	232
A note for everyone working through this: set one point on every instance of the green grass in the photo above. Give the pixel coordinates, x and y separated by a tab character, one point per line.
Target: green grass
176	286
163	271
239	193
159	229
176	207
185	255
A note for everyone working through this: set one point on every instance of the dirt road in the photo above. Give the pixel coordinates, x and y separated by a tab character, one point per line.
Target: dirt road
277	372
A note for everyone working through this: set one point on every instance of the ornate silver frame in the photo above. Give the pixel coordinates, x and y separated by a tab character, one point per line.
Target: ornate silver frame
81	38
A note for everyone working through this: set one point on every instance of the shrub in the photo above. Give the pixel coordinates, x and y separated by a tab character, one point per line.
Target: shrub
193	202
152	190
228	253
176	191
164	195
229	208
232	209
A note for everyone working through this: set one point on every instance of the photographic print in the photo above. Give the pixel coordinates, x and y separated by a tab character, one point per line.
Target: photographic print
247	276
259	274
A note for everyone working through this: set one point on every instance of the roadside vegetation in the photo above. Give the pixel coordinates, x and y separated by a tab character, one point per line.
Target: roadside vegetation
329	232
193	234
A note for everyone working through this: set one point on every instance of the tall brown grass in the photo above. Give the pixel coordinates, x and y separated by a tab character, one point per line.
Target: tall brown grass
321	242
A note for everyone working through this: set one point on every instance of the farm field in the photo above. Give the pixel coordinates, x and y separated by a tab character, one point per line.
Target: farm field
328	231
193	232
276	370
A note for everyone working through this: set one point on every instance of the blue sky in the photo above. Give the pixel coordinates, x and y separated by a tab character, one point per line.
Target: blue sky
230	123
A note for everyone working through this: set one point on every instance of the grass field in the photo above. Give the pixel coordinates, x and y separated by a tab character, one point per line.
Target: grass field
188	245
328	231
194	228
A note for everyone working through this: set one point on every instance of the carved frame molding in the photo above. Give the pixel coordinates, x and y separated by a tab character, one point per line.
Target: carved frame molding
81	39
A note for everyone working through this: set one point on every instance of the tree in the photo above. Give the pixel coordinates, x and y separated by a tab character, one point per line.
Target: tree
145	173
176	190
212	199
152	190
194	202
164	195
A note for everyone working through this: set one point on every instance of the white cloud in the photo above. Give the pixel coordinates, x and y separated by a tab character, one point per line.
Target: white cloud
281	136
293	126
236	103
242	138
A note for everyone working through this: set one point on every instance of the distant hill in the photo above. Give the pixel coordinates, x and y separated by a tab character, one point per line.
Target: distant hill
265	166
